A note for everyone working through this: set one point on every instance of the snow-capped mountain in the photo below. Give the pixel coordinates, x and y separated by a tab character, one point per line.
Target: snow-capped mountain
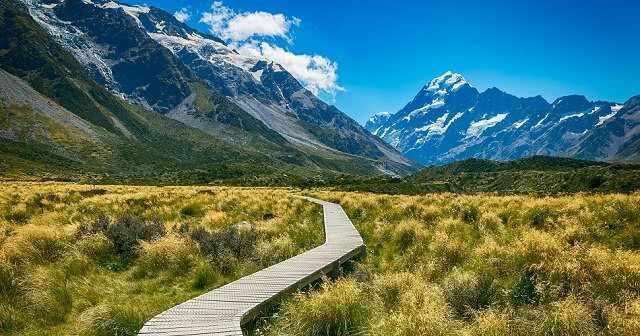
616	136
449	120
165	65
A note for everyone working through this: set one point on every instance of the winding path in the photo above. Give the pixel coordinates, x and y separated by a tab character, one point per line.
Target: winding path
224	310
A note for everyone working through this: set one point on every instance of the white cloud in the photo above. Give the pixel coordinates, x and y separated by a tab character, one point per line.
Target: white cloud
182	15
229	25
316	72
247	31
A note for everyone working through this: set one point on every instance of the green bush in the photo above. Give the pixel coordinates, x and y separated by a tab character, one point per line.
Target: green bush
192	210
205	276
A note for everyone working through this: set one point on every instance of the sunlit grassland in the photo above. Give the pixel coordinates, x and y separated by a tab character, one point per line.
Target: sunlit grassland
481	265
101	260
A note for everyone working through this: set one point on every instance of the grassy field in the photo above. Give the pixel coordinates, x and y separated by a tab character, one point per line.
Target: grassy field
481	265
101	260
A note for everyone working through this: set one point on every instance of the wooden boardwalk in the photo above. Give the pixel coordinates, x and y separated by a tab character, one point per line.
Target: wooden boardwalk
223	311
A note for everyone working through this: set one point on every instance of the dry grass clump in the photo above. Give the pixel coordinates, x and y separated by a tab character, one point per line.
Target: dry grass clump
35	244
171	253
88	260
339	308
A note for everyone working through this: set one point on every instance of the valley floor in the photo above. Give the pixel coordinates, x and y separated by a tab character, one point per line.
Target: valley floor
101	260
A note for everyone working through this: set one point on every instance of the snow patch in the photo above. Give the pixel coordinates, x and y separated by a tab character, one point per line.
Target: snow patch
614	110
435	127
257	74
433	105
595	109
577	115
132	11
519	124
617	107
540	122
478	127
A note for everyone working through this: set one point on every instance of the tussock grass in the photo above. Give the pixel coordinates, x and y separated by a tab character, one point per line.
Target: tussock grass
450	264
85	260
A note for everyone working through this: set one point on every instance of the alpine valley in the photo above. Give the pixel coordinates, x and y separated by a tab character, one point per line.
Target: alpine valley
449	120
161	100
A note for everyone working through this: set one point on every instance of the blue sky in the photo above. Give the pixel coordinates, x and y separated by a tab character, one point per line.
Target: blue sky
386	50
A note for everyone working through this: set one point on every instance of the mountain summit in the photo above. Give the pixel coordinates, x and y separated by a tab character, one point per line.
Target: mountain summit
450	120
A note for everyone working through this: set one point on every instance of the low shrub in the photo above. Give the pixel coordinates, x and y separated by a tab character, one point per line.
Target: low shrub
223	246
125	233
205	276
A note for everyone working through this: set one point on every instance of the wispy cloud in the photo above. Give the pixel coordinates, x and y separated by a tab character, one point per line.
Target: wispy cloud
182	15
256	34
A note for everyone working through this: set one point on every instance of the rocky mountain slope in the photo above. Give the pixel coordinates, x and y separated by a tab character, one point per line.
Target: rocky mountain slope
450	120
192	77
57	119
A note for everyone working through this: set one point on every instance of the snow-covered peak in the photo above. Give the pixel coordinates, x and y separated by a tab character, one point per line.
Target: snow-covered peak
446	83
377	121
380	117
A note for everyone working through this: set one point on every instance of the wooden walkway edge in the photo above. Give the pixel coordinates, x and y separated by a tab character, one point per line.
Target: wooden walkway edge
224	310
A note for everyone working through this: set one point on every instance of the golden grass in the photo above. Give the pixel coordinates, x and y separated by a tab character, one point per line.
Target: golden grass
100	260
495	265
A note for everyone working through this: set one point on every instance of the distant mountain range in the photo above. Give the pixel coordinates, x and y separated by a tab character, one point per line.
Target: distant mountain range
449	120
100	85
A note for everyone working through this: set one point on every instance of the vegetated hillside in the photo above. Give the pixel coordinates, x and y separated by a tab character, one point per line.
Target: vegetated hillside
534	175
449	120
170	68
97	261
481	265
57	122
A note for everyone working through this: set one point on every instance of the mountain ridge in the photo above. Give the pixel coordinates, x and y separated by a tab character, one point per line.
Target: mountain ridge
449	120
262	96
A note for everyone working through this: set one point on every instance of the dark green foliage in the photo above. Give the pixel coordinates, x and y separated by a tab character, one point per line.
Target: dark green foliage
524	291
125	233
192	210
224	246
205	277
536	175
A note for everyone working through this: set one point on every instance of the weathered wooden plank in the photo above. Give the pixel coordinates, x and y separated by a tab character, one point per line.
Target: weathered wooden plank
223	311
